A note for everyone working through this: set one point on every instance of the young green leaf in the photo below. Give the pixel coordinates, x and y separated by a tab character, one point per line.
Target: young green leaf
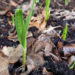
66	2
22	28
73	65
47	9
13	19
19	22
65	32
27	20
37	1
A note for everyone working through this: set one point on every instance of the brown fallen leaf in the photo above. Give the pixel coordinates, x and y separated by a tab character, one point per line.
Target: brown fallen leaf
60	48
9	13
49	29
13	3
71	59
45	72
26	7
69	50
30	41
13	54
43	43
27	13
43	12
3	64
4	7
38	22
10	23
34	61
13	36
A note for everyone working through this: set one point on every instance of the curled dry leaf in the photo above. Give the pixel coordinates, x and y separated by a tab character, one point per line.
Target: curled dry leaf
60	48
38	22
9	13
44	71
60	44
13	36
43	43
34	61
10	23
30	41
13	53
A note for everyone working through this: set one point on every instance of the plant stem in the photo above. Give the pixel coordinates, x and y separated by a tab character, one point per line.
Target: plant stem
24	53
66	2
24	56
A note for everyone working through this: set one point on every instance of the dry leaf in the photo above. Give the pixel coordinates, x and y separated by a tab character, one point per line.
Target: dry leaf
3	65
69	50
34	61
13	3
45	72
38	22
13	36
30	41
13	53
10	23
9	13
4	7
43	43
43	12
71	60
50	30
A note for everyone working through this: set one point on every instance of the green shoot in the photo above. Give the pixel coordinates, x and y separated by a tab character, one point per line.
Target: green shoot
47	10
65	32
66	2
37	1
13	19
22	28
73	65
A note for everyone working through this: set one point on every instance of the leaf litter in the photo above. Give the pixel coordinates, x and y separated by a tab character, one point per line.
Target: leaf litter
47	52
